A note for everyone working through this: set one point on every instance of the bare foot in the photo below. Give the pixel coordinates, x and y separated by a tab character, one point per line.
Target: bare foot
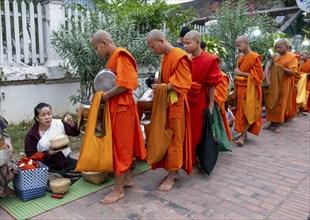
169	181
241	139
112	197
271	126
277	130
195	169
128	180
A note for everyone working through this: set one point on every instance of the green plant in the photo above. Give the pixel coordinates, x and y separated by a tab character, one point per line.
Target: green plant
128	22
214	46
235	18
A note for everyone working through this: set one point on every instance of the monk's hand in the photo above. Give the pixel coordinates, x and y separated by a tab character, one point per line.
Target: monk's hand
154	86
104	98
211	106
237	72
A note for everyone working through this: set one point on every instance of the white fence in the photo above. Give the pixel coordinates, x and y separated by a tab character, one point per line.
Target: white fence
22	38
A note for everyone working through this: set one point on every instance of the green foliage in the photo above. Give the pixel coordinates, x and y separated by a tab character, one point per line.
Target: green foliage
236	18
128	22
214	46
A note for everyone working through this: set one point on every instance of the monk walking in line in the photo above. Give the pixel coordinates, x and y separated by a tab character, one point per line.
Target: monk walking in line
205	76
304	90
126	131
280	73
175	72
249	75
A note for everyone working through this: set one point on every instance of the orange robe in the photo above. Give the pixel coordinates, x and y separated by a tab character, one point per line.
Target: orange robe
248	90
220	97
176	69
127	135
285	107
304	69
206	73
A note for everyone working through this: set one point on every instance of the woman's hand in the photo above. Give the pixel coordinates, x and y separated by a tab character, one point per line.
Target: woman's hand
69	120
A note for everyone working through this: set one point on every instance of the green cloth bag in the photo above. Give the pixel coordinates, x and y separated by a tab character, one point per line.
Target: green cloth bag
219	130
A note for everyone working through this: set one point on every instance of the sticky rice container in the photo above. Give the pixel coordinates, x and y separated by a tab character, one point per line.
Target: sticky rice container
95	177
59	142
60	186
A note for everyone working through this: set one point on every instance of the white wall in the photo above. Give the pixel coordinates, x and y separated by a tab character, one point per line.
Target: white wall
20	100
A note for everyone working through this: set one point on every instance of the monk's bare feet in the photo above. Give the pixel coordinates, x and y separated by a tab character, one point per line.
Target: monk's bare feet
278	129
169	181
113	197
128	179
271	126
195	169
241	139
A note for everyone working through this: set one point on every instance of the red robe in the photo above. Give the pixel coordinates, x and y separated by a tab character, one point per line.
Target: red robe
127	135
206	73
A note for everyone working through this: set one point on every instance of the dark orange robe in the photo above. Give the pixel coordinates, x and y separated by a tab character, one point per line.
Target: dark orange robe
220	97
206	73
304	69
176	69
126	131
286	106
248	90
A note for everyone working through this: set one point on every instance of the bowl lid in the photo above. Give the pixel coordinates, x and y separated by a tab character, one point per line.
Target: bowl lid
104	80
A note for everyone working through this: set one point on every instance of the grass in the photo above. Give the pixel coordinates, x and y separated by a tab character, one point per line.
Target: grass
18	133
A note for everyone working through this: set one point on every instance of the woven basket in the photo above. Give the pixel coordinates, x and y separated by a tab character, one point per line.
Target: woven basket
60	186
95	177
59	143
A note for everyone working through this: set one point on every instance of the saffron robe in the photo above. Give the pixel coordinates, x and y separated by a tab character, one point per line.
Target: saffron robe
220	96
305	69
249	94
285	106
176	69
126	131
206	73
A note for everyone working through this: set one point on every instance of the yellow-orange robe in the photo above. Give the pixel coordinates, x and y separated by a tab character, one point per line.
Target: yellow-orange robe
176	69
304	69
127	135
220	97
249	94
285	106
206	73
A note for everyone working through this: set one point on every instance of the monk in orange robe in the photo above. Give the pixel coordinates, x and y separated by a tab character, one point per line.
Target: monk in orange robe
249	75
175	71
305	69
285	105
220	97
126	131
205	76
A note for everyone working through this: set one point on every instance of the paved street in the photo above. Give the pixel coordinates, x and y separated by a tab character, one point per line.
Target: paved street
268	178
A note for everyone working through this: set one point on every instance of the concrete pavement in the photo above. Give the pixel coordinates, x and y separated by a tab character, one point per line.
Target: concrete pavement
268	178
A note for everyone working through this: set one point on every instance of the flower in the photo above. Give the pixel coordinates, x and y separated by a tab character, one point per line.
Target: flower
215	4
252	14
251	8
212	9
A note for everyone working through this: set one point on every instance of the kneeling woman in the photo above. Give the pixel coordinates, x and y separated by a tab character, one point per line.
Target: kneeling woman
45	128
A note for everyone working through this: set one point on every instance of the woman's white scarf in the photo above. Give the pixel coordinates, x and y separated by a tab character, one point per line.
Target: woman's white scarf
57	128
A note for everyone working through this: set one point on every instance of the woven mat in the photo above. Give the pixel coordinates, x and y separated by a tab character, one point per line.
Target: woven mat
24	210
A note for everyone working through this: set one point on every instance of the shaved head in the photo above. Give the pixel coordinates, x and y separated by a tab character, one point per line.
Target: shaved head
194	35
102	35
156	35
281	41
242	39
306	52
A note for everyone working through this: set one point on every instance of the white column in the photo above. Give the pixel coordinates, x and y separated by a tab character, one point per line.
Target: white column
54	17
